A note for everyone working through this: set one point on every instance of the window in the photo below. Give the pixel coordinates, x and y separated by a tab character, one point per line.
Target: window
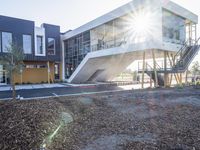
173	28
6	40
27	44
51	46
35	66
0	42
40	45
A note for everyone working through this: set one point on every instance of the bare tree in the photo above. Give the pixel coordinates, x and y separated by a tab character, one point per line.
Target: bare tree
12	60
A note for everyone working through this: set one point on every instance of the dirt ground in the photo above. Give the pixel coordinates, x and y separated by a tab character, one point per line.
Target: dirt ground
160	119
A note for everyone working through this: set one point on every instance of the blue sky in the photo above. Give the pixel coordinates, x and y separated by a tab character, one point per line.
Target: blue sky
70	14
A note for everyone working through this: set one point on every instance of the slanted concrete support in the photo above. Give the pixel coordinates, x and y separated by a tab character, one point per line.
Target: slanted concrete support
154	68
48	72
181	78
151	81
166	75
186	77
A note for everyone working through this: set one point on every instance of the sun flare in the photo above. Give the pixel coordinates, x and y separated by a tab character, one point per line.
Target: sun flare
141	25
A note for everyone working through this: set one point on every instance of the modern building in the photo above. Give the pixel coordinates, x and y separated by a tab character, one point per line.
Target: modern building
104	47
101	49
41	47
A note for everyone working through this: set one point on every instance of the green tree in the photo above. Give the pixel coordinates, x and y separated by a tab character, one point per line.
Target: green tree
13	63
195	70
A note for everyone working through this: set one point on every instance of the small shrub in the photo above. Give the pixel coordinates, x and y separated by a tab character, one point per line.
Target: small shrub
179	86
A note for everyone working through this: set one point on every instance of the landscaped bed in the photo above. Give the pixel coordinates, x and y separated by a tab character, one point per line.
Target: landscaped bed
132	120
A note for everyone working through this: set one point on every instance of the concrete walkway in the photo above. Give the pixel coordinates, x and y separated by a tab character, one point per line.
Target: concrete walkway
59	85
44	86
31	86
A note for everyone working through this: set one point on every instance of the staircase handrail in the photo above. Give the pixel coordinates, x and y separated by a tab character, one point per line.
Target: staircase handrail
151	68
191	51
180	52
183	62
147	66
159	67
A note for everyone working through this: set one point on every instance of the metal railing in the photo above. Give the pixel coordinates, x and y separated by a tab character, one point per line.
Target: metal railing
186	55
107	44
150	65
182	59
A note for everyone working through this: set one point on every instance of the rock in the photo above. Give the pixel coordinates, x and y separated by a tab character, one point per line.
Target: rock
85	100
66	117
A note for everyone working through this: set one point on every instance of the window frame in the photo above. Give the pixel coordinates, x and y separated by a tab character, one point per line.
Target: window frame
42	45
2	48
54	39
31	42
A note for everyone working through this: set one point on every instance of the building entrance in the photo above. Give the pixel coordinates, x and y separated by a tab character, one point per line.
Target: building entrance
3	77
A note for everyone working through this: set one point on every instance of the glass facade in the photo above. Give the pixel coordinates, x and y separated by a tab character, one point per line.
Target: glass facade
111	34
76	49
174	28
121	31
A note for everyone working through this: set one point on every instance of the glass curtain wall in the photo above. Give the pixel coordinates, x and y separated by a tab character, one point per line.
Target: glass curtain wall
111	34
108	35
76	49
174	28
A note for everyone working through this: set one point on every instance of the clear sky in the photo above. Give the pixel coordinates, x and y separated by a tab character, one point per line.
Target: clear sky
70	14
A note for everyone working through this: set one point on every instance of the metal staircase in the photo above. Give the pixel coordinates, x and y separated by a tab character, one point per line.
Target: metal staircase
182	60
184	56
149	71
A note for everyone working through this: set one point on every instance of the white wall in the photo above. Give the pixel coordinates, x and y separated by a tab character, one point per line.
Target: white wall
40	31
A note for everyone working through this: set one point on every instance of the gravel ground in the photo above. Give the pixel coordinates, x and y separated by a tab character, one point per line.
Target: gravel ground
161	119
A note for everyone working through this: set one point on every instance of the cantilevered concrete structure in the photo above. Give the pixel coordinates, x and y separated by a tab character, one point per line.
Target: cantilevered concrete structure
104	47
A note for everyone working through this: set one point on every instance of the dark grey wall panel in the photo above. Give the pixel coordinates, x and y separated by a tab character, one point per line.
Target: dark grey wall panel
53	31
18	27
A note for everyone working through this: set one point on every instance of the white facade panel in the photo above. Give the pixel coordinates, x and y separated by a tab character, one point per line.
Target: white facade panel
135	4
40	31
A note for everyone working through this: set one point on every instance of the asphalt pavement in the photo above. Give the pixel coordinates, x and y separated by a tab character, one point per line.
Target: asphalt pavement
58	91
